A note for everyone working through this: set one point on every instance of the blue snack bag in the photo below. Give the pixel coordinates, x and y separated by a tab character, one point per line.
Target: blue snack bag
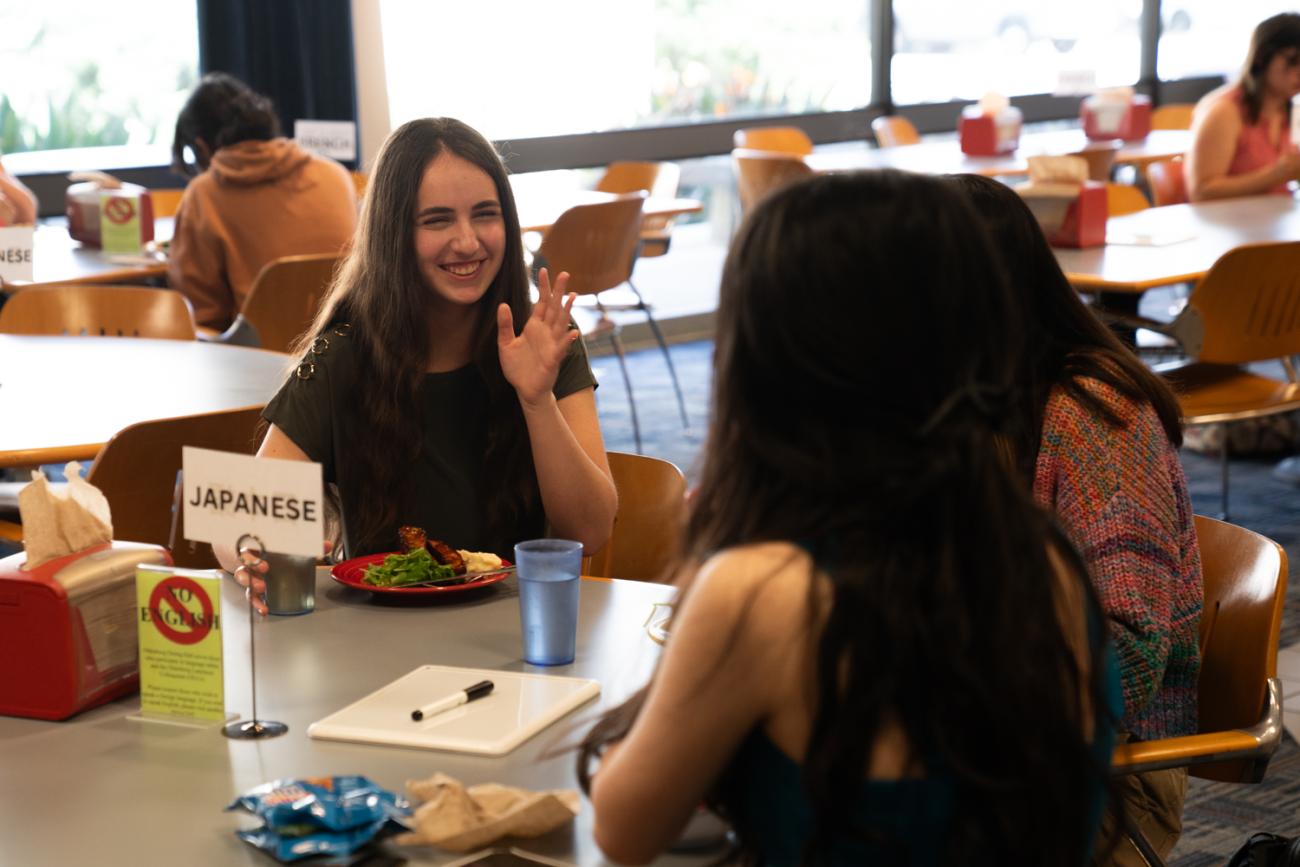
318	815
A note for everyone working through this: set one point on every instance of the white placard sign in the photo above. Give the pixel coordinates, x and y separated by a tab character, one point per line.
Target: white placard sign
227	495
16	252
329	138
1075	82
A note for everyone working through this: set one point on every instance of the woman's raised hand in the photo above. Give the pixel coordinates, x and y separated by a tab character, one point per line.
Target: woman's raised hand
531	359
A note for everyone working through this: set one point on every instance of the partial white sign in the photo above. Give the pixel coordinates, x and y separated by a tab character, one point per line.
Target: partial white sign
16	252
1075	82
227	495
329	138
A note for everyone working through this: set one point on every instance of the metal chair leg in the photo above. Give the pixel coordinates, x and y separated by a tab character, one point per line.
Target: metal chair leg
663	346
1223	470
627	382
1135	836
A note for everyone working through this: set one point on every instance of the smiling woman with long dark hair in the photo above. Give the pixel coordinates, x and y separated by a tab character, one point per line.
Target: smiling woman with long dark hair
432	391
883	652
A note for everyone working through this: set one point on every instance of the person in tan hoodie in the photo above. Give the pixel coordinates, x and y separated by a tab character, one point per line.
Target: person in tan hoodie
254	198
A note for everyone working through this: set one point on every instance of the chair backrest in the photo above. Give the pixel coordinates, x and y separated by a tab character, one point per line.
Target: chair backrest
137	469
1100	157
1174	115
166	201
1245	578
648	526
595	243
786	139
626	176
1245	307
1167	181
360	181
760	172
98	311
1124	199
894	130
285	296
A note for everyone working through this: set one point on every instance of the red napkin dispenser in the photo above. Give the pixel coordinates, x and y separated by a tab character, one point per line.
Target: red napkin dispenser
1110	120
81	202
987	135
68	629
1076	218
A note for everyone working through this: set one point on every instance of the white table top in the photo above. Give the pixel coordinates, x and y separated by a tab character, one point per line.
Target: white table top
102	788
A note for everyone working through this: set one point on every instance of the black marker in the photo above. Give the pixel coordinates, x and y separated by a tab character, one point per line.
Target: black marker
456	699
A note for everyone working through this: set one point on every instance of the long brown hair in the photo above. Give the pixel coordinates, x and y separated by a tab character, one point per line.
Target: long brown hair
867	348
1272	35
380	292
1065	342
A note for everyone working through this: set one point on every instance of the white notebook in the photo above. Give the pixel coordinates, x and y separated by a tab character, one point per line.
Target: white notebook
519	706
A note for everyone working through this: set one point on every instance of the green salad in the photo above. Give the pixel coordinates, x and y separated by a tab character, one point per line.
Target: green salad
398	570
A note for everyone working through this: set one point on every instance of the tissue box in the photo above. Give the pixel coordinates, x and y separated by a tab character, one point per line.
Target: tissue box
82	202
985	135
68	629
1071	215
1105	119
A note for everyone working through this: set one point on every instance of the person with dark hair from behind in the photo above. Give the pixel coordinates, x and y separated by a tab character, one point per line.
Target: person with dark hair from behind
433	391
1099	437
254	198
1241	132
883	651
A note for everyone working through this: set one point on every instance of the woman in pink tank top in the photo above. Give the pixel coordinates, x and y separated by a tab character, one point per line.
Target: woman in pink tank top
1241	133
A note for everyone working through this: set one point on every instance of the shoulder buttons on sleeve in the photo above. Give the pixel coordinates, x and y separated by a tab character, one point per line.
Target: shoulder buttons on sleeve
319	347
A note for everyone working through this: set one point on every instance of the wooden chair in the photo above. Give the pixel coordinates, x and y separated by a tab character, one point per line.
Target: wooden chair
894	130
1174	115
597	245
282	302
648	526
360	180
1239	694
99	311
1242	311
786	139
760	172
1100	157
1167	182
137	470
166	201
657	179
1124	199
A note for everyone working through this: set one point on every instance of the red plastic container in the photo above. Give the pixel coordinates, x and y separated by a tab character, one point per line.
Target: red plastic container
67	629
984	135
1100	123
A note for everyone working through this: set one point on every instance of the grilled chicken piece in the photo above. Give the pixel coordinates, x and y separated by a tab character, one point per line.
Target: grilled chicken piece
412	538
446	555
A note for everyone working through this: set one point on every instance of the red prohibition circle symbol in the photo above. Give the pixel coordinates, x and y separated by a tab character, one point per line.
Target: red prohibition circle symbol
119	210
168	592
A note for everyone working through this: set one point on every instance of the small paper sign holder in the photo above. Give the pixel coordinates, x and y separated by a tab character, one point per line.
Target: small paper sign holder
250	550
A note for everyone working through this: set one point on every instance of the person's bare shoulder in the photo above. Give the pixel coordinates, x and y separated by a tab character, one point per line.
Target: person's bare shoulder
764	585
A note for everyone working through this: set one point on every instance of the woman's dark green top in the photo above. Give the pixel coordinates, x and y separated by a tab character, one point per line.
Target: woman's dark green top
319	408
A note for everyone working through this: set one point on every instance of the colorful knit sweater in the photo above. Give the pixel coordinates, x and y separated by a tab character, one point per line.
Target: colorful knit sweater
1120	496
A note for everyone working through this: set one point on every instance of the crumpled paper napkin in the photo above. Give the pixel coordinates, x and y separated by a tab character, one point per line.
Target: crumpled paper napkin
58	523
462	819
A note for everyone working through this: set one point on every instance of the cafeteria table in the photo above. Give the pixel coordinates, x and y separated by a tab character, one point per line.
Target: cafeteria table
58	258
945	156
539	211
62	398
105	788
1177	243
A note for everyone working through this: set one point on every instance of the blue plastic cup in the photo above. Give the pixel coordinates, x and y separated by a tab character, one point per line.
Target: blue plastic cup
547	570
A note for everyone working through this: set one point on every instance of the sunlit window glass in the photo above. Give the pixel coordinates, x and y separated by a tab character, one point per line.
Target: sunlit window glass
957	49
1209	37
576	66
86	73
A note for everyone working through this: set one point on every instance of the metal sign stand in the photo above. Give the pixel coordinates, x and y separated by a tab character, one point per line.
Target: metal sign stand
250	555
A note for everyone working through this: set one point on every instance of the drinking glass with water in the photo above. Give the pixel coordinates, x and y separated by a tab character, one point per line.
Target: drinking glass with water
547	570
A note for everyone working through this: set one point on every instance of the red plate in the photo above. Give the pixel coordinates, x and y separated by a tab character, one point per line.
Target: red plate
350	573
